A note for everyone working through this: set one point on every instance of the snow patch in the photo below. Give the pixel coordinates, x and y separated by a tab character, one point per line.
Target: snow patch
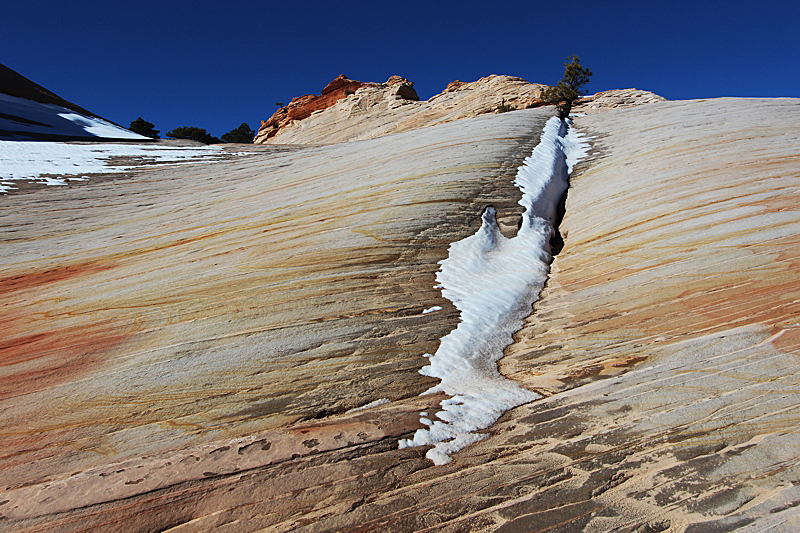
23	118
100	128
432	309
493	281
30	160
370	405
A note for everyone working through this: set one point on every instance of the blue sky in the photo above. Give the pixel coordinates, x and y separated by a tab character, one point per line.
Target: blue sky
218	64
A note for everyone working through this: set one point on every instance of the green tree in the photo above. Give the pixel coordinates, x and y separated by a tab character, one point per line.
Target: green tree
504	107
142	127
569	88
194	133
242	134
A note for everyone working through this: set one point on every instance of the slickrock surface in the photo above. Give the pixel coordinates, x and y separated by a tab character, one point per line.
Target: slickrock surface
190	323
379	109
666	341
616	98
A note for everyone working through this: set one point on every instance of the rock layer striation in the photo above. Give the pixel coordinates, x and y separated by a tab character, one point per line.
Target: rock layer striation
190	322
369	110
302	107
374	110
664	345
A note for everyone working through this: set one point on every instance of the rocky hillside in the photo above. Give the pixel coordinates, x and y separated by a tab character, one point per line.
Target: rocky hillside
28	111
392	107
183	349
349	110
396	89
15	84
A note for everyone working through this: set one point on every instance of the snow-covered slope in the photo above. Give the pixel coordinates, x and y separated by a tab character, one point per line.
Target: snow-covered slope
23	119
58	163
28	111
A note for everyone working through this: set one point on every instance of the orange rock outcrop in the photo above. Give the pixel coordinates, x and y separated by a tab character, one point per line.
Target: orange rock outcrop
375	110
301	107
349	110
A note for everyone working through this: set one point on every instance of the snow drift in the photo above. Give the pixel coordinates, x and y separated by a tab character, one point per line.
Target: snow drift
493	280
23	119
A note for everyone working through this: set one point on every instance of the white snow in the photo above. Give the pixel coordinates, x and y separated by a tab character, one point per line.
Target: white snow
432	309
31	160
49	119
493	281
370	405
48	162
101	128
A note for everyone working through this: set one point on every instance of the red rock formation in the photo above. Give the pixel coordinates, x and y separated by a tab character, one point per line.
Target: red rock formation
302	106
341	82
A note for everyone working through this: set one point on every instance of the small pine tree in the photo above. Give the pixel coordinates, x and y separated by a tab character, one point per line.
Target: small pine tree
569	88
194	133
504	107
242	134
142	127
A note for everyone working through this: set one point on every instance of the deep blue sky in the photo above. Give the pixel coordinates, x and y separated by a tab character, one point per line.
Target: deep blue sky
218	64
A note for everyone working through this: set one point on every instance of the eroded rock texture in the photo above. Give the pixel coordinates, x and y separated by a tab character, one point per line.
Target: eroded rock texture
302	107
665	342
355	111
184	324
374	110
616	98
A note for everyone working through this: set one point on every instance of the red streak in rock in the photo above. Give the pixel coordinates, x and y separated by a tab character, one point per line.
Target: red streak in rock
34	280
39	352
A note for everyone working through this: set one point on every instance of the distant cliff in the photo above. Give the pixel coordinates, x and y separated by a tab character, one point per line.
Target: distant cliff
349	110
302	107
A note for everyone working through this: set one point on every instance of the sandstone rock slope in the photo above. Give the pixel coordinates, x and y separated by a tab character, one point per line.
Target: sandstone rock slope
378	109
616	98
348	110
666	344
302	107
170	351
199	321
